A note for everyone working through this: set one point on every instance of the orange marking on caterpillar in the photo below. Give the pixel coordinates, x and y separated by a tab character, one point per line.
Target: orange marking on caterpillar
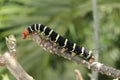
25	34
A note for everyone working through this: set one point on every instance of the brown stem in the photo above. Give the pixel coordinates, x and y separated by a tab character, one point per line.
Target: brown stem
8	60
78	74
96	66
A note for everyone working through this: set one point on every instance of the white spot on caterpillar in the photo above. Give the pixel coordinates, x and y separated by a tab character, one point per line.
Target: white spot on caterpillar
74	47
39	27
44	30
65	42
57	37
50	33
90	53
30	28
82	50
35	28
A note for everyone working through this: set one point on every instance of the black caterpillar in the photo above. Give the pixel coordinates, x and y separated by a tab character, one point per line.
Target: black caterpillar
53	36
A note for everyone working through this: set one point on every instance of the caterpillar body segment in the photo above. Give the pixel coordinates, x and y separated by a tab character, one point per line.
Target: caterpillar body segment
54	37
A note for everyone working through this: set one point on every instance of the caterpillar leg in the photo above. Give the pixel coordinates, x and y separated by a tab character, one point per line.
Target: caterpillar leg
73	54
47	39
92	59
55	45
63	50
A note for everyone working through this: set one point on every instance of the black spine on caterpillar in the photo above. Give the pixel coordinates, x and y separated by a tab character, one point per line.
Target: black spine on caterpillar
61	41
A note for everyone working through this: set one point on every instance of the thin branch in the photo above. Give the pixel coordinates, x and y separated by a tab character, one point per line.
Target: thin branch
11	44
78	74
96	66
15	68
9	61
96	36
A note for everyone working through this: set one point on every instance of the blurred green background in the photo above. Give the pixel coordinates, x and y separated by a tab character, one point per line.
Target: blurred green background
72	19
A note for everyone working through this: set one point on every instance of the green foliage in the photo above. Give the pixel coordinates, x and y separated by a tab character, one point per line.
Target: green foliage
72	19
5	77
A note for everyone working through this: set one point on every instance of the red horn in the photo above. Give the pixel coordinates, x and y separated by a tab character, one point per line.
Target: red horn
25	33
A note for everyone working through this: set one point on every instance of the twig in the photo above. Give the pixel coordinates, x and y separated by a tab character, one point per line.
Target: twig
14	67
96	36
78	74
8	60
11	44
96	66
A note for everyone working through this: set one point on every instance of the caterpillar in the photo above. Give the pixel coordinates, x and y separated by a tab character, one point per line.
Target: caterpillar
54	37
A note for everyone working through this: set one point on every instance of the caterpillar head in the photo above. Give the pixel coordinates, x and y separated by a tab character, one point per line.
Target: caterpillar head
25	34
